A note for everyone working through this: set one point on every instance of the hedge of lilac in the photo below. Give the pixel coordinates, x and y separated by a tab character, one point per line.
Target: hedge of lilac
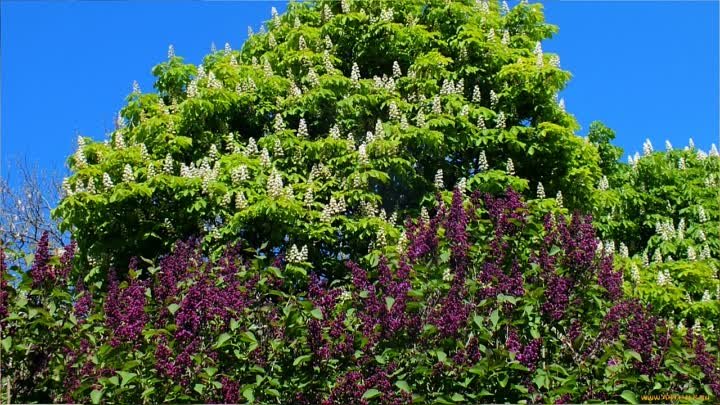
491	299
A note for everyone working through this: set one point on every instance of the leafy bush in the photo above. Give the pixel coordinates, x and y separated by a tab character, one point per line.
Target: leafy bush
316	132
490	299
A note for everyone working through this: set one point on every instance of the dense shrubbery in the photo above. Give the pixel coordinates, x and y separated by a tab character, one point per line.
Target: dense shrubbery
489	300
275	226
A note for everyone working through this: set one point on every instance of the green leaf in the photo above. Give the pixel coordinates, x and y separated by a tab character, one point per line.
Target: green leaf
629	396
210	371
7	343
457	397
173	308
222	339
389	301
249	395
554	250
301	359
633	354
403	385
316	313
371	393
441	355
494	318
126	377
199	388
95	396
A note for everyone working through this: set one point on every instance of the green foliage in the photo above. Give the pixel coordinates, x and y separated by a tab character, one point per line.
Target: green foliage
437	84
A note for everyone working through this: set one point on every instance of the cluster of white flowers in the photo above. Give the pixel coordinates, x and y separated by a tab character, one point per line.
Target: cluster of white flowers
701	155
462	185
540	191
436	105
278	123
691	144
705	252
107	181
505	38
308	198
80	159
393	112
265	158
603	185
128	176
559	198
483	6
510	167
666	230
476	95
251	147
213	82
538	52
668	146
481	122
424	216
267	67
296	23
368	209
387	15
714	151
482	162
494	99
319	171
335	132
706	296
381	238
635	274
327	62
702	217
91	186
66	188
504	8
226	200
663	278
623	250
327	14
151	171
681	163
439	182
491	35
362	155
396	71
192	88
647	148
135	87
335	207
302	129
500	120
119	141
464	111
447	275
554	61
297	255
355	74
420	119
561	104
240	201
272	42
609	247
313	78
275	184
657	257
600	249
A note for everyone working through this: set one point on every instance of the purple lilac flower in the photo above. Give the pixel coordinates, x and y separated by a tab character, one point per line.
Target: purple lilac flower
84	302
610	279
4	295
704	360
456	230
41	271
125	310
230	391
557	293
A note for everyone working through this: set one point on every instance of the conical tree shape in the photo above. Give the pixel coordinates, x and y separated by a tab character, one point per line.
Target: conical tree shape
320	130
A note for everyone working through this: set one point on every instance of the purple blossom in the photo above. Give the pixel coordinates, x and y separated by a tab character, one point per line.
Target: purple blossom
125	310
230	391
41	270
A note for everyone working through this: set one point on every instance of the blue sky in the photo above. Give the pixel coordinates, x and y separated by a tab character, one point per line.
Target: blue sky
648	69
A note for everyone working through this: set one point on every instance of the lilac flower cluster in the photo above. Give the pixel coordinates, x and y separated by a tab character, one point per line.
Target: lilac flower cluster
125	310
230	391
557	296
4	294
456	231
609	278
707	362
528	355
41	270
379	320
83	304
422	236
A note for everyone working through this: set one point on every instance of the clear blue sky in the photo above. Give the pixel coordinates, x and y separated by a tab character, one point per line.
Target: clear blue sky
645	68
